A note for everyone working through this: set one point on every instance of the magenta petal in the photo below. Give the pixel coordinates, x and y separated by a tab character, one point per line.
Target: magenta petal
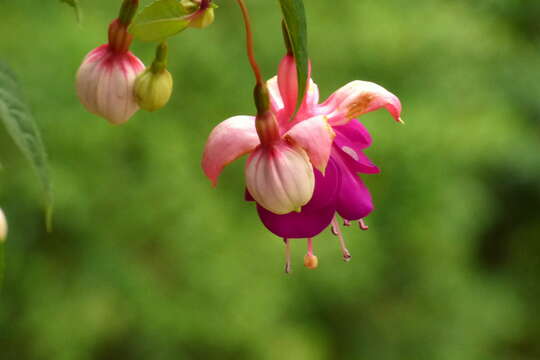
247	195
296	225
354	200
353	155
326	188
356	132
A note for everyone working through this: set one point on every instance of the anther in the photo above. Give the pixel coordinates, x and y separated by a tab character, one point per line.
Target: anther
363	225
310	261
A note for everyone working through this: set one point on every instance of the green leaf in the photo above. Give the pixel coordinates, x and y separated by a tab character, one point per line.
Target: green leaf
20	125
75	5
294	16
159	20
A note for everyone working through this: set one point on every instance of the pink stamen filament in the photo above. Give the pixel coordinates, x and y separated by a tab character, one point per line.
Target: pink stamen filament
346	223
310	246
287	256
344	250
335	228
363	225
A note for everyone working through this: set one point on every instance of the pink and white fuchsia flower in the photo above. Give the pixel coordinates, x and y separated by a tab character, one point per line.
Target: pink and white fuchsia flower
107	75
333	142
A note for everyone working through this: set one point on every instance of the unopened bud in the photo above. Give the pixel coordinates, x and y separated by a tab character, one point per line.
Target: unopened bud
205	19
201	12
311	261
3	227
105	78
190	6
153	90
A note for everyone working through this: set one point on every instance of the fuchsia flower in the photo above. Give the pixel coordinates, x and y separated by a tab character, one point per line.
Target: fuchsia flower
333	142
107	75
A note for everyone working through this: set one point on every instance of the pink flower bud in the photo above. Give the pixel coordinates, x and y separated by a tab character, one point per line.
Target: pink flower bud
3	227
280	177
106	78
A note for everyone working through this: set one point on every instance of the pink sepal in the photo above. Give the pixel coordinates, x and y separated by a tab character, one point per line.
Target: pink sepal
357	98
315	136
228	141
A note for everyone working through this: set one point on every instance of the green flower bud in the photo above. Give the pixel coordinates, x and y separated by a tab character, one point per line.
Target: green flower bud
203	20
201	13
153	90
190	6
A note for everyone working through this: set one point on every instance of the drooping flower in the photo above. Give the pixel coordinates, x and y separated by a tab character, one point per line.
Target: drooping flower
107	75
3	227
327	134
339	191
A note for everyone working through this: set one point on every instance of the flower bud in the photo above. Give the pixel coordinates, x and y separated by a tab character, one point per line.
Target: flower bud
106	77
3	227
153	90
205	19
202	15
280	177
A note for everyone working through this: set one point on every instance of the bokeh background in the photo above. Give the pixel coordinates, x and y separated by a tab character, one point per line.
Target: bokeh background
147	261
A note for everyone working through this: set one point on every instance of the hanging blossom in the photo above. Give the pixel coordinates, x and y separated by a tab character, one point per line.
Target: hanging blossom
333	142
106	77
339	191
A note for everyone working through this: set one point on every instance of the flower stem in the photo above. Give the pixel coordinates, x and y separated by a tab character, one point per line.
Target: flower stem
160	61
127	11
249	43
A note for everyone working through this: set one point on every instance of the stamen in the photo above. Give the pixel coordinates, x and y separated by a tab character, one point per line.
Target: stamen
363	225
287	256
310	246
310	261
344	251
334	228
346	222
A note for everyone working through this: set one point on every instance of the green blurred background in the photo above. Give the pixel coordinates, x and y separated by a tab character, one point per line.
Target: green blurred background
147	261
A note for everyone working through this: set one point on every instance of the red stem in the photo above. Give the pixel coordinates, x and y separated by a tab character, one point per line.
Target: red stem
249	43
